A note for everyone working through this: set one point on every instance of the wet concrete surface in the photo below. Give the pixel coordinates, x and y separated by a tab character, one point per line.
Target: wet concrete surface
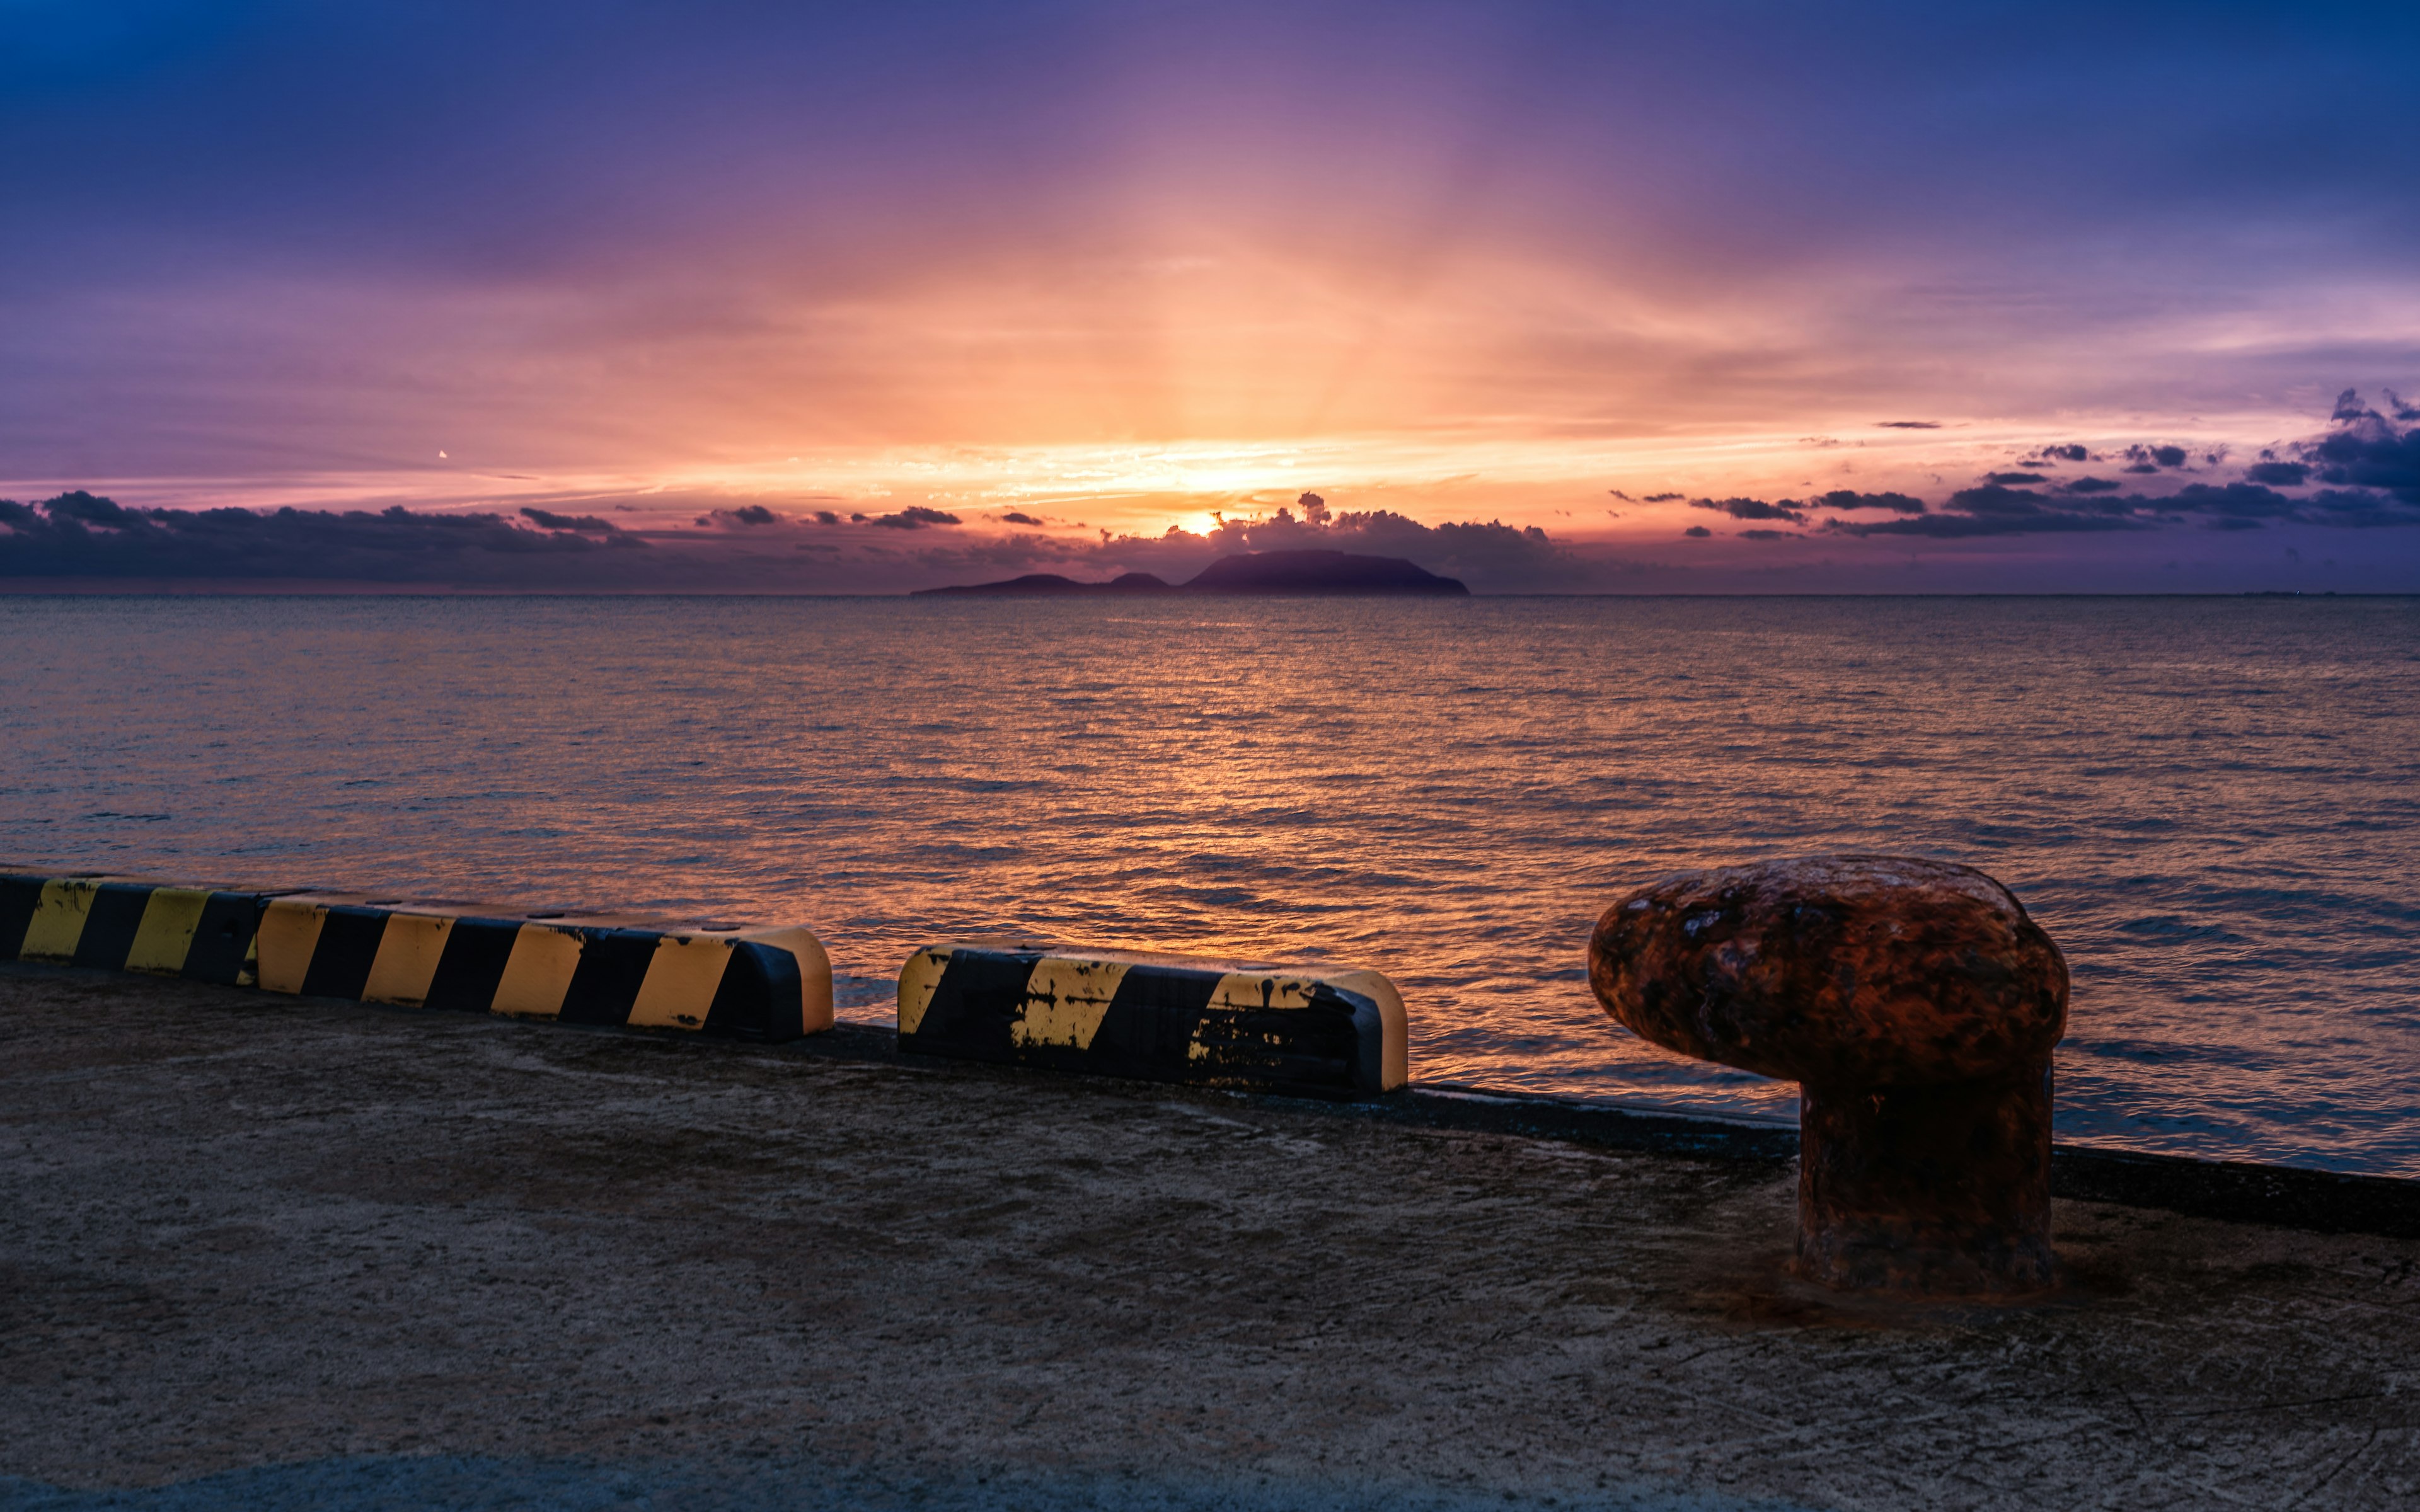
267	1252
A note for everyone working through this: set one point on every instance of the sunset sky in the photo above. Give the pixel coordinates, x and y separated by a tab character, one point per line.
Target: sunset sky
698	274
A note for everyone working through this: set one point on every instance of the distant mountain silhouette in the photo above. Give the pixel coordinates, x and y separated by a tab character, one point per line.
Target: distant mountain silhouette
1043	584
1253	572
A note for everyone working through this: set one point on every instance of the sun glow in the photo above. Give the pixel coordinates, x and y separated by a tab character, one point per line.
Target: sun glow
1576	486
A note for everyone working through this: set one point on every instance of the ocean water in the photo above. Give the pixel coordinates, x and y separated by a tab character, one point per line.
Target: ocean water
2213	805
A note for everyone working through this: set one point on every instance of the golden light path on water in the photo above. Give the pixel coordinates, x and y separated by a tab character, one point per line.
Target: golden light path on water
2213	804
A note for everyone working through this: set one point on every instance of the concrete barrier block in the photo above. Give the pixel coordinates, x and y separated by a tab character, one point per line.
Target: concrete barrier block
123	925
771	985
1315	1032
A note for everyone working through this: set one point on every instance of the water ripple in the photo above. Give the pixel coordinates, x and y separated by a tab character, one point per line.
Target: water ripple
2210	803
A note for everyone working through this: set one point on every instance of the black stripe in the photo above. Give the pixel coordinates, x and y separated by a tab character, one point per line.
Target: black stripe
975	1007
223	938
472	964
115	914
1369	1041
613	963
1148	1031
348	943
19	898
760	997
1333	1046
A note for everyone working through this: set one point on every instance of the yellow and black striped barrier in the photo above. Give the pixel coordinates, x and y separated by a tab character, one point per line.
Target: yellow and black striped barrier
768	985
197	933
764	984
1309	1031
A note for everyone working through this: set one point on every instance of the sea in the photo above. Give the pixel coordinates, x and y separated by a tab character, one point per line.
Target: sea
2211	804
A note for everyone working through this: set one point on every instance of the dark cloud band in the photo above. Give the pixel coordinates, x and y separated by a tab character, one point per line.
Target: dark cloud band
2372	466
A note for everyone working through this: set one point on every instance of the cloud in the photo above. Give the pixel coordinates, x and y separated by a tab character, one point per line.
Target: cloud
1960	526
2361	471
2372	464
1791	511
1898	503
1753	509
2363	450
2152	458
1996	510
2358	511
1997	499
744	514
548	519
914	517
1663	498
80	534
1908	424
2279	474
2053	456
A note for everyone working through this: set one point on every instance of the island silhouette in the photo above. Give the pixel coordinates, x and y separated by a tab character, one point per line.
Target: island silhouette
1306	572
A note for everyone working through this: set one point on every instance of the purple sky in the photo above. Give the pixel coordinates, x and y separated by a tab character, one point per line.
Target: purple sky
1003	288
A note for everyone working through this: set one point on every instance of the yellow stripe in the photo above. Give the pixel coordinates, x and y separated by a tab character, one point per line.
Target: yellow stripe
538	973
681	979
58	920
288	933
408	950
1066	1000
166	936
1240	989
1263	989
1395	1058
917	980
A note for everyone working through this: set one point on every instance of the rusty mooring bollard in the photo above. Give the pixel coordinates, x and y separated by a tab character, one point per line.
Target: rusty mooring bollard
1914	1004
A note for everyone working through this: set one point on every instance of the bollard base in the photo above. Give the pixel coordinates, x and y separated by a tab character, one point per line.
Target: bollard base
1932	1190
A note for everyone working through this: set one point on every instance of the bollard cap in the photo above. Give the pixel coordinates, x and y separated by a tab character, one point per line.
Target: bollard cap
1837	971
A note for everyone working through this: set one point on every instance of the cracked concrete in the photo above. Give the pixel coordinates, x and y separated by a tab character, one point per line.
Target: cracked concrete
261	1251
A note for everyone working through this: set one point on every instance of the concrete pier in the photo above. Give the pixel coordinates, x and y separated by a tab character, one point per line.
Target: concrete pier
260	1248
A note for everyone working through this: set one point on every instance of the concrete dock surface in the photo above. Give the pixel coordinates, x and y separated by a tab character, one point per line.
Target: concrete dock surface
267	1251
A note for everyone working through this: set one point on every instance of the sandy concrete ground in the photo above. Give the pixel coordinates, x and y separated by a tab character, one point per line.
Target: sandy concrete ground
263	1252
